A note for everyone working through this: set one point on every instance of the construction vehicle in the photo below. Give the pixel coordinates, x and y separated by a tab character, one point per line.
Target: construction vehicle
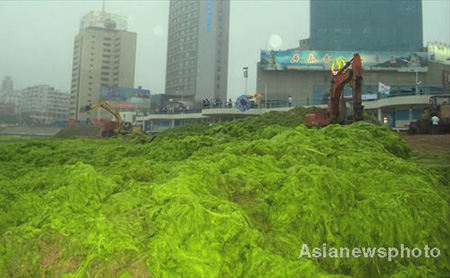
439	106
110	128
336	112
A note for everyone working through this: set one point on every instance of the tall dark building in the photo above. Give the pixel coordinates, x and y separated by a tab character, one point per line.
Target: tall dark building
197	50
377	25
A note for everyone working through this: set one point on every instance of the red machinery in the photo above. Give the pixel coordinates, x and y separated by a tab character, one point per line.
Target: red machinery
336	104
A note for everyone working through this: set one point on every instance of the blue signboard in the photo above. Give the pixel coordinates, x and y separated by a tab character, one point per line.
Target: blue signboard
124	94
323	60
209	13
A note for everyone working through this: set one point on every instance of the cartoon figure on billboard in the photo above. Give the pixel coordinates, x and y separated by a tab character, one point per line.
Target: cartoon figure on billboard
337	65
393	60
415	61
295	58
311	58
326	61
271	58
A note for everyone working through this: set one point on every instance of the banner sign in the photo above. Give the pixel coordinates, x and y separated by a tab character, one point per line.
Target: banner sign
439	52
124	94
364	97
445	78
323	60
104	21
369	97
209	14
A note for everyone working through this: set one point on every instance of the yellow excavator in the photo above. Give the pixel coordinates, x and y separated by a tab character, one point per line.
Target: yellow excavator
111	128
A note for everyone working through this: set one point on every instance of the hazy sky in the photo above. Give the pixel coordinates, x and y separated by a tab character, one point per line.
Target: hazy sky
36	37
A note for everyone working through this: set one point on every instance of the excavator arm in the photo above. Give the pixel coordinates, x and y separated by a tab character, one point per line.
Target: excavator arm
336	104
103	104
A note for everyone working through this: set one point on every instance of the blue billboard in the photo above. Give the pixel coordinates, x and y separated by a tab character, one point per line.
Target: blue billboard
323	60
124	94
209	14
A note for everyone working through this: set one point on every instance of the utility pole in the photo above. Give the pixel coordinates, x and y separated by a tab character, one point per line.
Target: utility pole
417	74
246	78
265	93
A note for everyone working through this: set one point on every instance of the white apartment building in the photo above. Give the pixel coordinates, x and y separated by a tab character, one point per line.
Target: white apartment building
104	55
43	104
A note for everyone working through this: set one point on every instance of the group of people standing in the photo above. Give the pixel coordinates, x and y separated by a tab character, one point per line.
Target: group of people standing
216	103
213	103
175	110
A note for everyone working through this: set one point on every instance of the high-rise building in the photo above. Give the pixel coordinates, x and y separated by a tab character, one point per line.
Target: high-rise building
366	25
197	51
43	104
7	84
104	55
7	93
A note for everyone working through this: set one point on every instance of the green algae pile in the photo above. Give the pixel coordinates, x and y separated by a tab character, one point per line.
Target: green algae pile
238	199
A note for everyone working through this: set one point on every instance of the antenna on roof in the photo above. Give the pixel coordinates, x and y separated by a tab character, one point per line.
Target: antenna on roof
103	7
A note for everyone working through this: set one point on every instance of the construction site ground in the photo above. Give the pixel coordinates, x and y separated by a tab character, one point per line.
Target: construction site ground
431	144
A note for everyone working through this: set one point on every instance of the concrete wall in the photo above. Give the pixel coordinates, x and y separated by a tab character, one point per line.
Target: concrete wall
281	84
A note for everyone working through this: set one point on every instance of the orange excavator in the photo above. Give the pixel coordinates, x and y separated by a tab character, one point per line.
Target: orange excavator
351	72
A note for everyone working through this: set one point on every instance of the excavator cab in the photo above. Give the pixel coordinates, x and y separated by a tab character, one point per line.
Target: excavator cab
319	118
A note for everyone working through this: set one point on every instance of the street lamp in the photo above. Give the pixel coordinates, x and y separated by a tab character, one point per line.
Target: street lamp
417	76
246	78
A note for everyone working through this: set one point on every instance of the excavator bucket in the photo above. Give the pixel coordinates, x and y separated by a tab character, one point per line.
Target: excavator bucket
85	108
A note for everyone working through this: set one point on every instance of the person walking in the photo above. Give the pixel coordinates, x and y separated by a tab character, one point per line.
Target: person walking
290	101
434	124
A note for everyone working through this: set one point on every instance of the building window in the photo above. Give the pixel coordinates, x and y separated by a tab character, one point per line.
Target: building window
402	115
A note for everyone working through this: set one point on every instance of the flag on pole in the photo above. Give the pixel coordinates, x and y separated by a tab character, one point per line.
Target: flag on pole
385	89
